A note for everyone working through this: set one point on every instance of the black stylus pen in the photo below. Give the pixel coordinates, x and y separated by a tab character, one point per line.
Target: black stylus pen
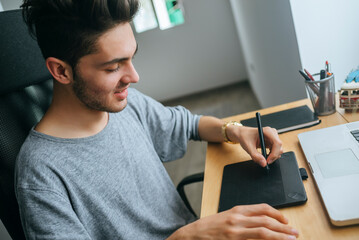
261	138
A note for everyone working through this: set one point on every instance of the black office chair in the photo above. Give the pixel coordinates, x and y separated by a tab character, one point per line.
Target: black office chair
25	95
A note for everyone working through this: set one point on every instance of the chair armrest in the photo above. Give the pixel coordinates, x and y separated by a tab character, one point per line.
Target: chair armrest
198	177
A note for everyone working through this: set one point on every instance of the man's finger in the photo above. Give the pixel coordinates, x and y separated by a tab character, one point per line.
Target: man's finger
258	158
275	153
270	223
275	144
266	210
264	233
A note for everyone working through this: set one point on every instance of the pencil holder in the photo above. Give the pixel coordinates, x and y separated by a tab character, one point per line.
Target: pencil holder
322	94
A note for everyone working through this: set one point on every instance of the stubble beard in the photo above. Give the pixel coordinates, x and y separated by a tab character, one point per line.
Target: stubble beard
91	101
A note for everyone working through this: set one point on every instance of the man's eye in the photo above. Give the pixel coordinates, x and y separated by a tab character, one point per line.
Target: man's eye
113	70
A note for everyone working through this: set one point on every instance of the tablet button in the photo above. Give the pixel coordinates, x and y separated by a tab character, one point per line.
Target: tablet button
295	195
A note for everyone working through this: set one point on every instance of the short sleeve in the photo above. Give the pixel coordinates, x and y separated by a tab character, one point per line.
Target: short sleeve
170	128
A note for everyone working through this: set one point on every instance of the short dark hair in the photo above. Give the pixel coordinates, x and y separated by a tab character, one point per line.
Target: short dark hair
69	29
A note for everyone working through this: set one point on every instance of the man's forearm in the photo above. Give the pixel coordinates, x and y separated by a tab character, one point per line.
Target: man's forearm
210	129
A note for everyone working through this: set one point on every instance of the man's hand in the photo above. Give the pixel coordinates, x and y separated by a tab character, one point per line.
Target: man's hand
248	137
210	129
241	222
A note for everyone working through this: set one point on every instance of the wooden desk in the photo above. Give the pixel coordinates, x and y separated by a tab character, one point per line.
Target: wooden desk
310	219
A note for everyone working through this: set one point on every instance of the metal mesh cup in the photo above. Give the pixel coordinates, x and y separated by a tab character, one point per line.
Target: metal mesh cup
322	95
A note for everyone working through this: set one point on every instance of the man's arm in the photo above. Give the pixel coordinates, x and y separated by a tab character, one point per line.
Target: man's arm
242	222
210	129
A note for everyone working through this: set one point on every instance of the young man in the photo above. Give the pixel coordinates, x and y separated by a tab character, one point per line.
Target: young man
92	167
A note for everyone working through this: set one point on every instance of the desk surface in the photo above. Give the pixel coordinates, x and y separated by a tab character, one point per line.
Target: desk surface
310	219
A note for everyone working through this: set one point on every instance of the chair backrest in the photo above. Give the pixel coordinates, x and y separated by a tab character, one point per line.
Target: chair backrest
25	94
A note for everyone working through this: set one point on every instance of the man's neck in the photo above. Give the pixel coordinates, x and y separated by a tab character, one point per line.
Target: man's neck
71	119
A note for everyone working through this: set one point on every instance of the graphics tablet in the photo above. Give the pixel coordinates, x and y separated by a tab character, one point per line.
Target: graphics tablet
246	183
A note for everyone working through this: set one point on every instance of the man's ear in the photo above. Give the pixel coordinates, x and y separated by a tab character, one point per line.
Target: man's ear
60	70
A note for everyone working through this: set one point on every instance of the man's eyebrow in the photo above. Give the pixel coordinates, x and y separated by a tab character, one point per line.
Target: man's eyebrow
118	60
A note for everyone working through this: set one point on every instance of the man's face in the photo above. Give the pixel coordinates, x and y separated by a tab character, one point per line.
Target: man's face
102	78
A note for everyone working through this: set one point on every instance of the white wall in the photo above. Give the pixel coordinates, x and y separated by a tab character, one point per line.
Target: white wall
269	44
328	30
11	4
202	53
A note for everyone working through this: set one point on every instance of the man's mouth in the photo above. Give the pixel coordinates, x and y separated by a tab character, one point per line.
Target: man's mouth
121	94
121	90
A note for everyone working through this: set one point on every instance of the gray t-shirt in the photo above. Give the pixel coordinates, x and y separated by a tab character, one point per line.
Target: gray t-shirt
112	185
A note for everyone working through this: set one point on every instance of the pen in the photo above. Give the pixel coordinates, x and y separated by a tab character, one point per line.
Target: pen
261	138
314	87
304	75
309	75
323	74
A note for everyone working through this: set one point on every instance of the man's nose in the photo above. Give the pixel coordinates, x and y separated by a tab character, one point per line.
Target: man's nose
131	75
